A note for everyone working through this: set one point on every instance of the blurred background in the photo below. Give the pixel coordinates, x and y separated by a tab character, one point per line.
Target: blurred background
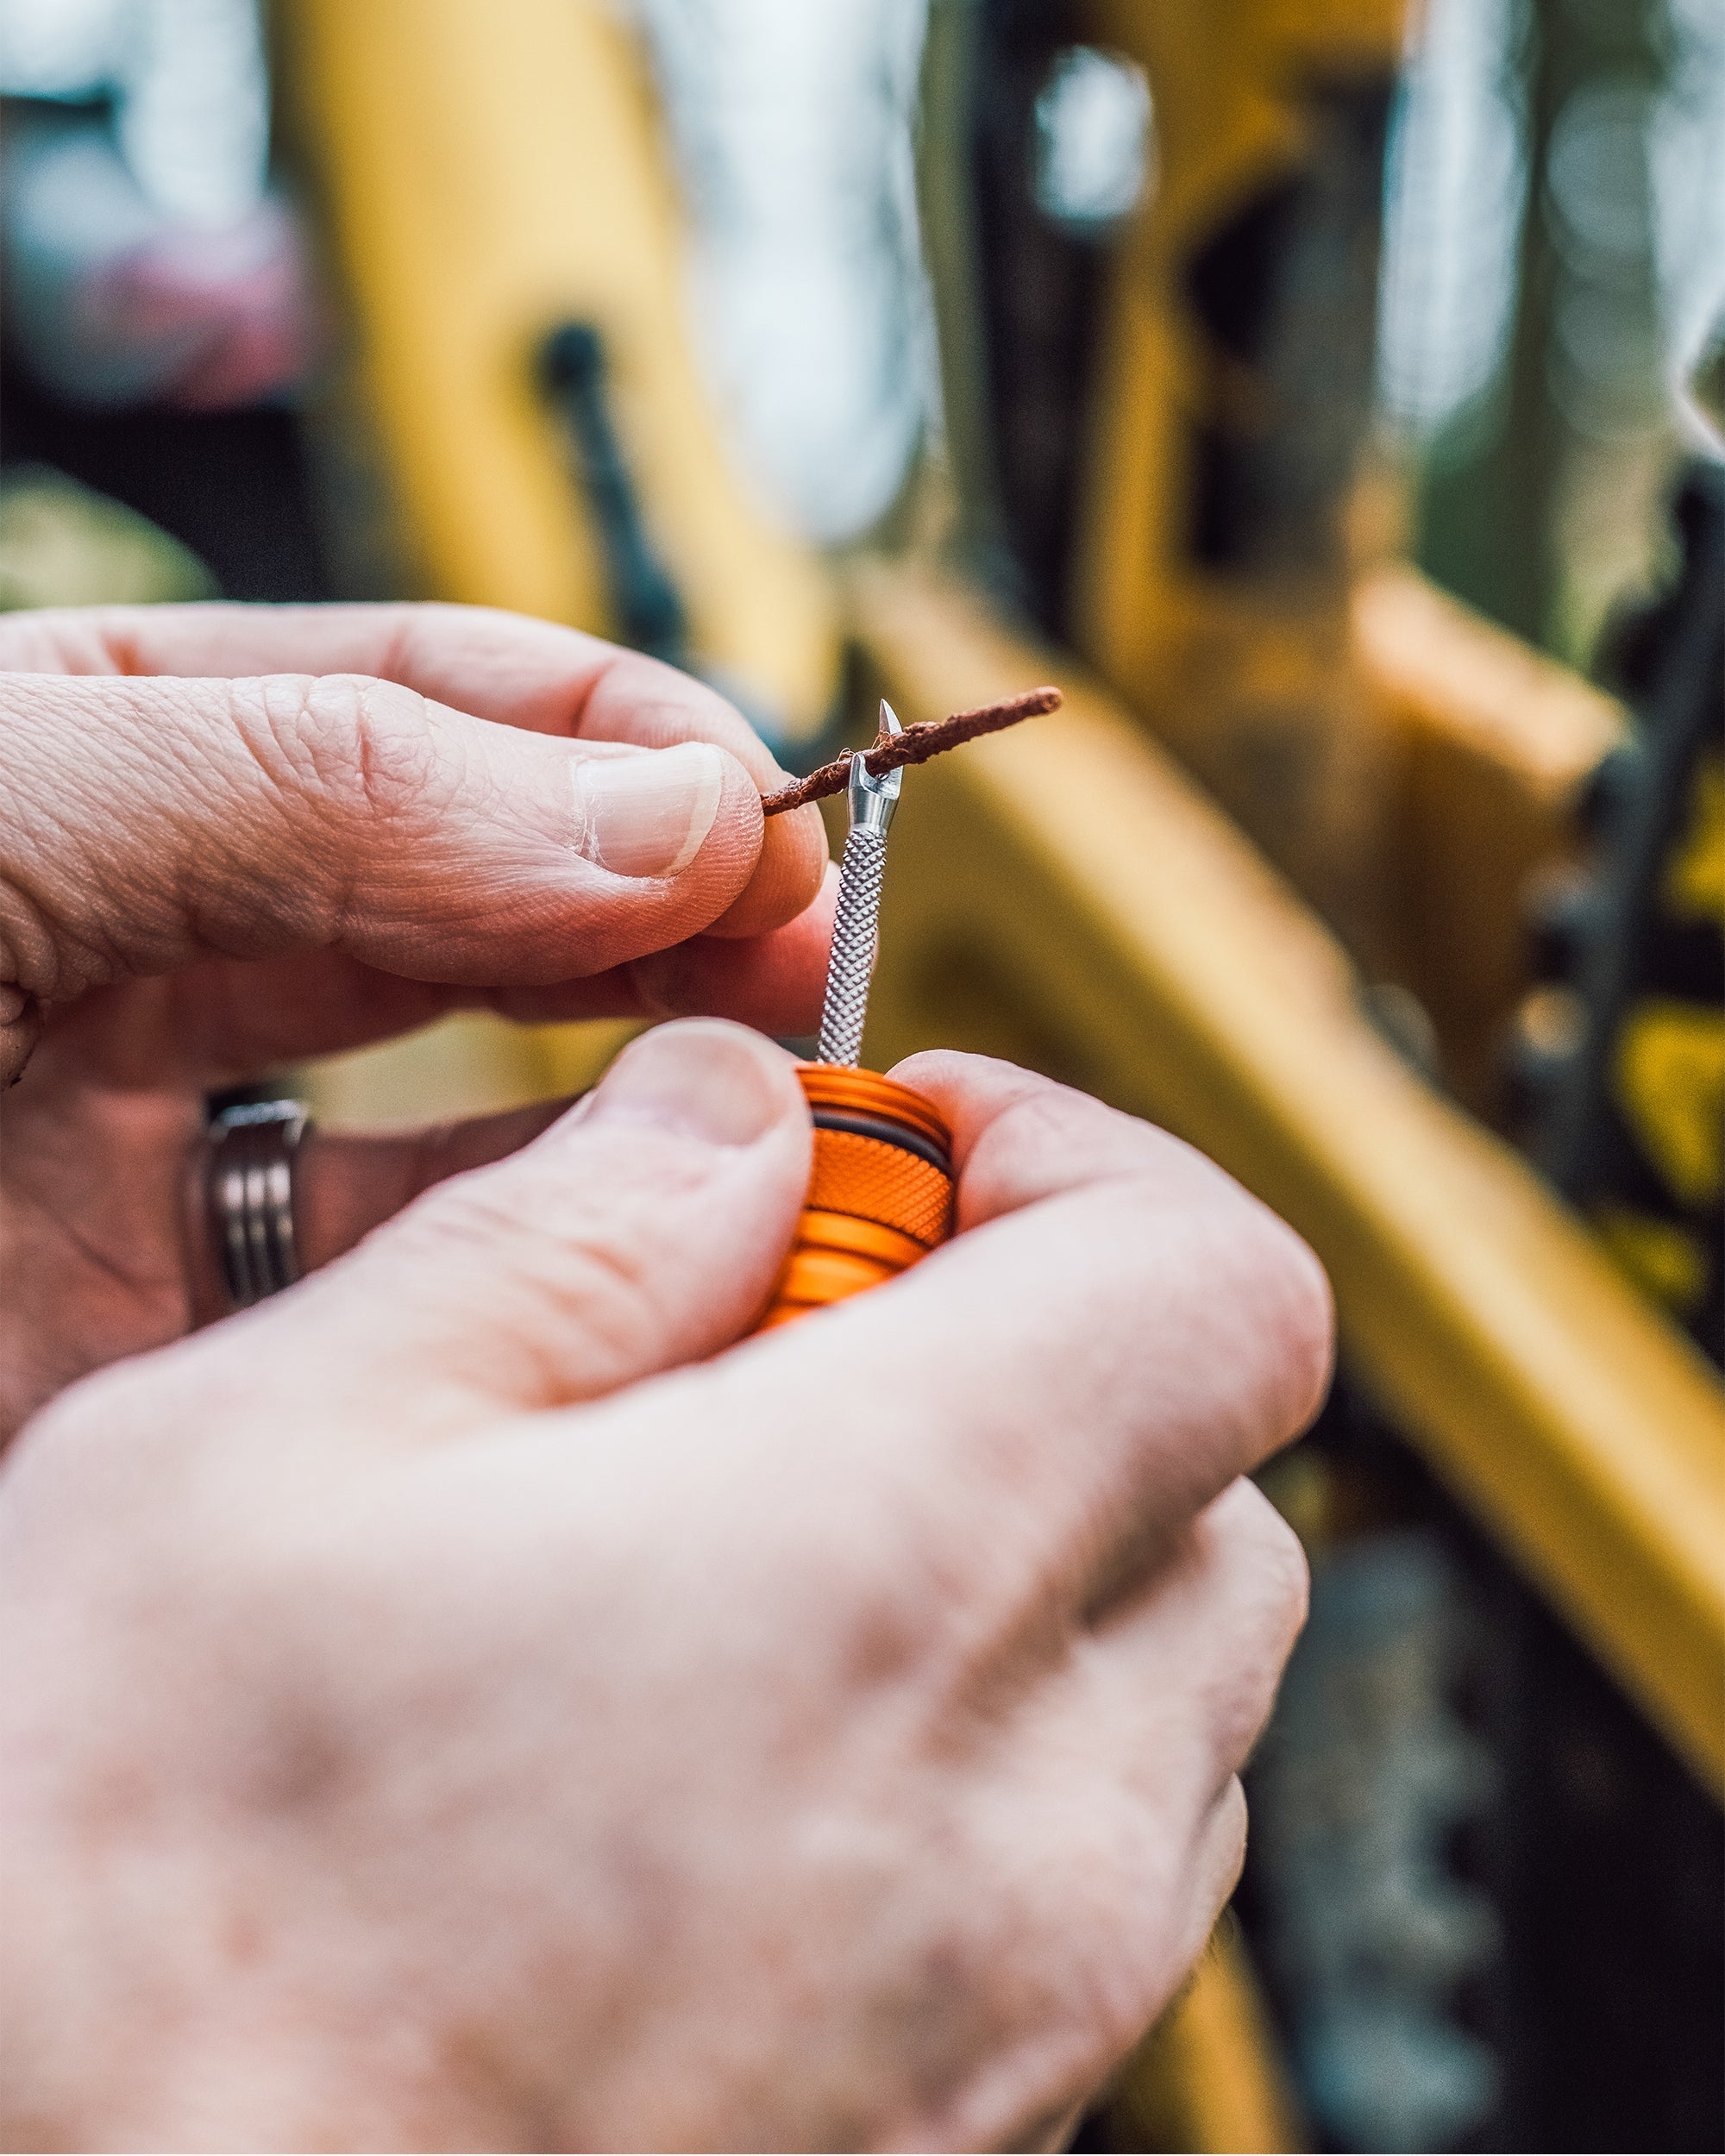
1330	397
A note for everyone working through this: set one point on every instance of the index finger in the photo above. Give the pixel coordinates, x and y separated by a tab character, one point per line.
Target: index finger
1116	1333
515	671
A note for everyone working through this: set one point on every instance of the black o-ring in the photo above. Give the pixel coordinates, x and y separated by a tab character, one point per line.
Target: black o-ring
887	1134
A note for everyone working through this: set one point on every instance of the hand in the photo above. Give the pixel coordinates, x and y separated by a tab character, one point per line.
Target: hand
202	876
462	1702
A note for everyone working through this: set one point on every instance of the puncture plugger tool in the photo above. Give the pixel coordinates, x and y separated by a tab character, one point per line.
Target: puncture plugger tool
881	1194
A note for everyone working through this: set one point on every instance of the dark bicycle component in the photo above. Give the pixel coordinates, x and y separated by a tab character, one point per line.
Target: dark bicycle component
647	609
1627	1122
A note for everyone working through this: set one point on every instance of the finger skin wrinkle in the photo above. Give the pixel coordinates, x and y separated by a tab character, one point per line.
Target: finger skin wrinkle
361	756
52	942
395	663
29	953
1022	1131
609	1279
118	646
410	768
54	640
345	744
111	860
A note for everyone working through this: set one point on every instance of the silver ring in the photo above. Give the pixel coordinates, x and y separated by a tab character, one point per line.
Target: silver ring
248	1187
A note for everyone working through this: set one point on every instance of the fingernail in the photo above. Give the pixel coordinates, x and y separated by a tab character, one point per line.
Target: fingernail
647	815
704	1080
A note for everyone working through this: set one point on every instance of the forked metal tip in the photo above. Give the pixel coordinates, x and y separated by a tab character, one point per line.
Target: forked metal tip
872	799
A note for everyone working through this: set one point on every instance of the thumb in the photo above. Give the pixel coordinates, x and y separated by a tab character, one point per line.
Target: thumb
149	822
643	1231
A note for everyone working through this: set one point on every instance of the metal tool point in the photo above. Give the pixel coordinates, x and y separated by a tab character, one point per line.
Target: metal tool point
854	923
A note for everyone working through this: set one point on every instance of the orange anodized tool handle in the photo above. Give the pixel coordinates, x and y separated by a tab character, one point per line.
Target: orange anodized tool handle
880	1193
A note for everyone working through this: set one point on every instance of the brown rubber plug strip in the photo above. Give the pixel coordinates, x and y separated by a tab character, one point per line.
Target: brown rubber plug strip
892	752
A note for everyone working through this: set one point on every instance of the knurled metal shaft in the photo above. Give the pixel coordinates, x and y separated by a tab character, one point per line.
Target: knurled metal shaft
854	935
854	926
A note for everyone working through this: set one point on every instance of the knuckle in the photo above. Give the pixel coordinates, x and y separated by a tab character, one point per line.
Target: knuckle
1262	1589
31	958
581	1283
1294	1314
886	1607
1266	1564
1309	1323
365	748
883	1629
1147	1909
1224	1826
1229	1827
1280	1562
82	788
607	1278
396	761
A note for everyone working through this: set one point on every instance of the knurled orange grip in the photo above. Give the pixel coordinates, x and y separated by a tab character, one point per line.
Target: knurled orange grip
881	1194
